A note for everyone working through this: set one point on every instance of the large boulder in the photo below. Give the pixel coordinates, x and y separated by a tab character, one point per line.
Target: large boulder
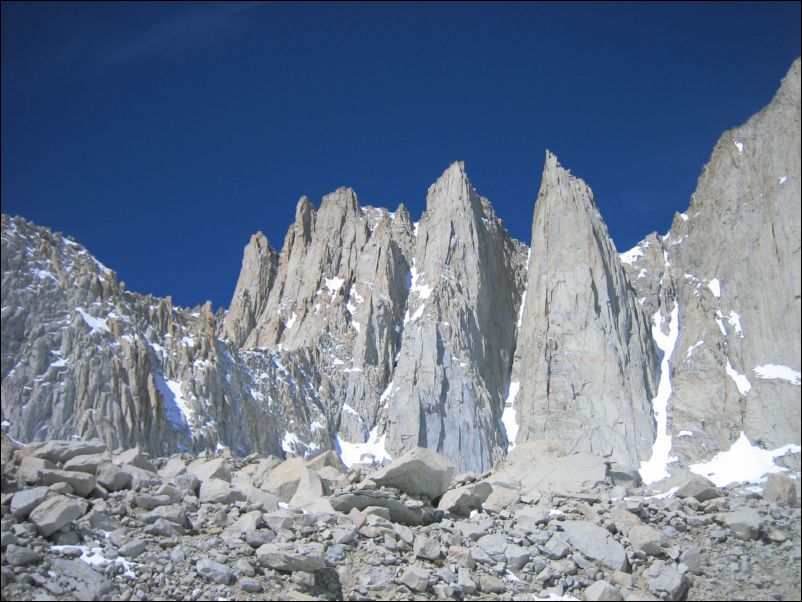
462	500
216	468
292	557
61	451
596	543
26	500
420	472
135	457
309	490
542	467
780	489
57	512
696	486
218	491
283	480
82	484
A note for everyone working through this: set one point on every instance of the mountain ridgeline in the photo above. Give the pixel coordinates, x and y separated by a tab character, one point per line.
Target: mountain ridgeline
368	332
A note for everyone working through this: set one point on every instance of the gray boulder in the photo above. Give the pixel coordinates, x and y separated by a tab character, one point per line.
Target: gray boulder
292	557
420	472
596	543
57	512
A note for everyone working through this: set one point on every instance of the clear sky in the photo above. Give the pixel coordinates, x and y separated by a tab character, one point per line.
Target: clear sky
162	135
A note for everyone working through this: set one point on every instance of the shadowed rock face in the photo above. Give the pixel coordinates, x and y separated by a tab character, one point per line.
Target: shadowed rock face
368	329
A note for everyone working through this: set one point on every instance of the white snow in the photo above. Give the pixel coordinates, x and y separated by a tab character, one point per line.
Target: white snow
631	256
370	451
289	441
333	285
655	468
664	495
349	410
188	341
720	322
350	307
289	323
176	407
316	426
715	287
423	290
743	462
357	326
743	384
96	324
778	372
684	217
782	179
94	557
5	424
735	321
739	145
684	434
415	229
387	392
521	310
418	313
45	274
693	348
508	416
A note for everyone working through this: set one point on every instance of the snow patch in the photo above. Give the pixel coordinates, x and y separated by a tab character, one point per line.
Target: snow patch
289	323
782	179
176	407
743	462
778	372
631	256
95	324
720	322
349	410
370	451
333	285
508	417
655	468
735	321
739	145
45	274
694	347
94	557
715	287
684	434
357	326
743	384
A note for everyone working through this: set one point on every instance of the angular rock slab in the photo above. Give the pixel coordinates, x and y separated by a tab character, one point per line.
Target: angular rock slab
292	557
596	543
420	472
57	512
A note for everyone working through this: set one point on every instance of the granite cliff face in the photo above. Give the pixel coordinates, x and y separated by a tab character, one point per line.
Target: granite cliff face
372	335
585	364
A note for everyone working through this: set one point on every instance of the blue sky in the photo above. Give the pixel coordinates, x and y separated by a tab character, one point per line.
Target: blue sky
162	135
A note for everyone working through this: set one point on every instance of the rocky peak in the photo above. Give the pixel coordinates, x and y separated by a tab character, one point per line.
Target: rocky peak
584	365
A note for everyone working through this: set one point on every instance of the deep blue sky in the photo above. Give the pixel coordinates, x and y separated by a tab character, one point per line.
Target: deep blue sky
162	135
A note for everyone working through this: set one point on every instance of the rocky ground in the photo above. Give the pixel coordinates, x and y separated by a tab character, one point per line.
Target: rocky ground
81	523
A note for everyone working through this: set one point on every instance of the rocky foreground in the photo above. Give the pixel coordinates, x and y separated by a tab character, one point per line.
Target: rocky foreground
79	522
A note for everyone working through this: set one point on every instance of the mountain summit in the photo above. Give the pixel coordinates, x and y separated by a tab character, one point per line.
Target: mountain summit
371	334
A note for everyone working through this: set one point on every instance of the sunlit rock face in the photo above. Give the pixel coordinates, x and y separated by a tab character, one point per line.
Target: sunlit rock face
372	334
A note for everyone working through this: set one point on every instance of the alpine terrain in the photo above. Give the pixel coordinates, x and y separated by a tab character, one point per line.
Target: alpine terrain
392	408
